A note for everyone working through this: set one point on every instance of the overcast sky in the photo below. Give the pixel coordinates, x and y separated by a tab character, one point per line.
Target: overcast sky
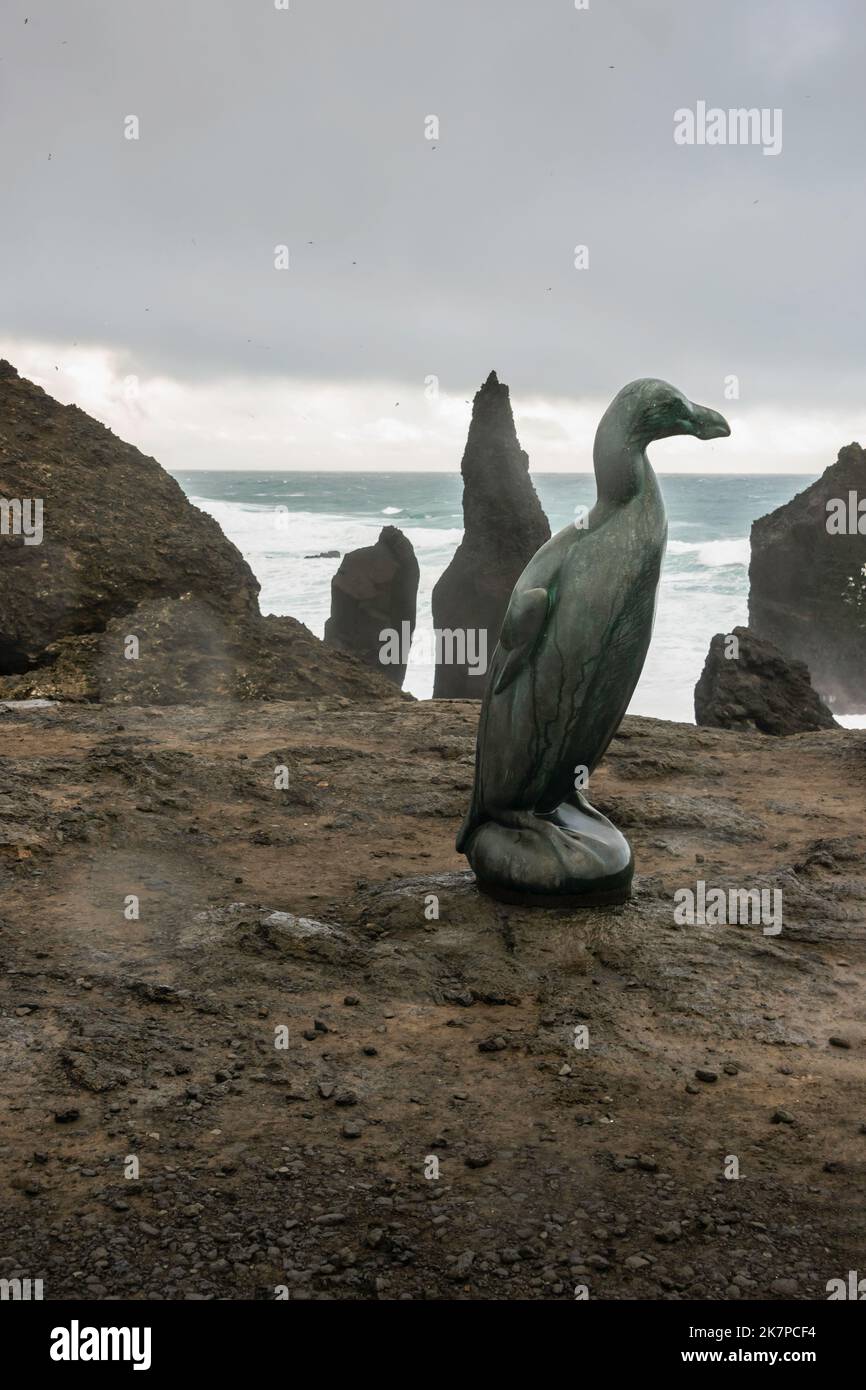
138	275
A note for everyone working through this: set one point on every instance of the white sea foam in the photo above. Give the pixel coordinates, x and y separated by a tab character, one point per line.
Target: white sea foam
714	553
704	587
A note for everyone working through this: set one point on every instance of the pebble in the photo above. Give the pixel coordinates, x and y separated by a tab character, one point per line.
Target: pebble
477	1158
782	1117
837	1041
670	1232
784	1286
703	1074
463	1264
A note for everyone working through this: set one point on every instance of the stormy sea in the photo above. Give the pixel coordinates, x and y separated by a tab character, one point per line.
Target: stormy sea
280	520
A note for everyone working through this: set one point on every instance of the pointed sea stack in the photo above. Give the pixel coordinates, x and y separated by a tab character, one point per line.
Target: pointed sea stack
808	580
375	590
503	524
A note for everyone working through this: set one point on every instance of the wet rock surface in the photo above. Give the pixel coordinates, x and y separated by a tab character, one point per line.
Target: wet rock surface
757	687
808	583
422	1021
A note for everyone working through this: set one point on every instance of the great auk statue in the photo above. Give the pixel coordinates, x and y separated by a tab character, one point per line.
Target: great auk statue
571	650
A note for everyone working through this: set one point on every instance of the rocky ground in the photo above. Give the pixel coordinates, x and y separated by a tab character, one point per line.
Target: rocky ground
410	1037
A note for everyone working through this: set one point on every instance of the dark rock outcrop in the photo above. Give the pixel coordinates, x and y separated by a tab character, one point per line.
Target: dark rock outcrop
808	582
118	530
375	589
123	554
758	688
504	525
187	653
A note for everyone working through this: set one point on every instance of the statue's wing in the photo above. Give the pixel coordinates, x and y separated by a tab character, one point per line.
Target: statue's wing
522	626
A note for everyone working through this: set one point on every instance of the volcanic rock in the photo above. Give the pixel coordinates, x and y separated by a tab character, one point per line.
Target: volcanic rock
595	1165
131	595
758	688
184	652
808	581
375	589
504	525
118	530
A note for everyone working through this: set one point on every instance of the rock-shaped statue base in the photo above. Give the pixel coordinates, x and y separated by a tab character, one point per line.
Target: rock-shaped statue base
573	857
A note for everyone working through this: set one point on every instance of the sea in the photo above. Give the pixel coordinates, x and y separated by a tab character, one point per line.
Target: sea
282	521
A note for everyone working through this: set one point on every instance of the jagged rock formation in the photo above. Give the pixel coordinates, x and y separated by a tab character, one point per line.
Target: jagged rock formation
375	589
808	582
117	530
187	653
758	688
123	554
504	525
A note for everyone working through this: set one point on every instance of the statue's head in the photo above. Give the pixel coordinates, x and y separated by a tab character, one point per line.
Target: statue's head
649	409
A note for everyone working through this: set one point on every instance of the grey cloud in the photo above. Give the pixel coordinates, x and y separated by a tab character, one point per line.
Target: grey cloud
410	256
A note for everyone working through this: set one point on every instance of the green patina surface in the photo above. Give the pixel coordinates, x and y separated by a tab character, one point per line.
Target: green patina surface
573	645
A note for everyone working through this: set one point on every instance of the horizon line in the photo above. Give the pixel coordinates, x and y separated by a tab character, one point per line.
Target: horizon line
533	472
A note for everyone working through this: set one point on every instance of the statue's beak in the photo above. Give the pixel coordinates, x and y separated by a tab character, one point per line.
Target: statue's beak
709	424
